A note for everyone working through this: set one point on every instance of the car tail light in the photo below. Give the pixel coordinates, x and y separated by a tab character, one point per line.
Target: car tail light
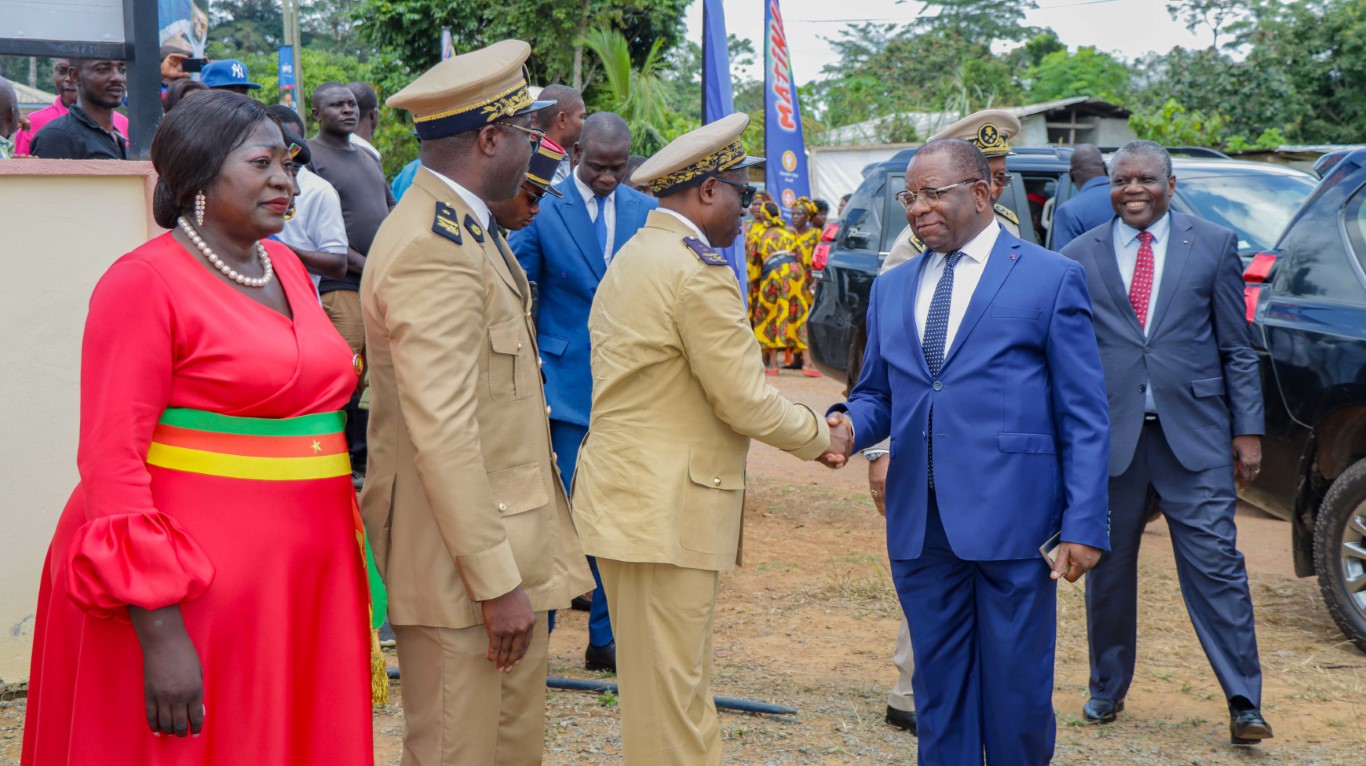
822	252
1253	278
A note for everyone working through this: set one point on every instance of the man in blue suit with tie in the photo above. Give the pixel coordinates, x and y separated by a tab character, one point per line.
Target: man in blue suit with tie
982	367
1186	407
566	251
1090	206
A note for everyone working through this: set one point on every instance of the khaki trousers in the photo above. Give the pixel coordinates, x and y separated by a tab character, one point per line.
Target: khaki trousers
902	697
663	616
343	309
459	710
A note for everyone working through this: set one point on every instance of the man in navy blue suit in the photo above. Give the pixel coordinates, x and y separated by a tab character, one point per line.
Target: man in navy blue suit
1186	407
982	367
566	251
1090	206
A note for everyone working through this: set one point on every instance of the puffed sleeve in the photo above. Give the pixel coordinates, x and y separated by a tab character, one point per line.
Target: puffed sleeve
128	552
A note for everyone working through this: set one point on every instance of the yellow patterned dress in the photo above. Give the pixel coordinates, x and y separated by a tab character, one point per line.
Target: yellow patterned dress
783	304
804	244
754	263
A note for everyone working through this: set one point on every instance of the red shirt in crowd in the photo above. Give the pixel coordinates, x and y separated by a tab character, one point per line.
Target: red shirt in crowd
39	119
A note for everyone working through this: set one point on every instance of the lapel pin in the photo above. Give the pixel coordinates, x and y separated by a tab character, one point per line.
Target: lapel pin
1013	256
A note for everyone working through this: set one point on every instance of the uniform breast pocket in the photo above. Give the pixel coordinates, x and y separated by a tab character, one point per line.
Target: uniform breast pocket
509	361
714	501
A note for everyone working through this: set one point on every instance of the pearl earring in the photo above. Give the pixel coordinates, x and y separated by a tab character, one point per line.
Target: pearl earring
199	203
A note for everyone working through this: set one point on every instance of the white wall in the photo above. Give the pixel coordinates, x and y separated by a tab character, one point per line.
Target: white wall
61	224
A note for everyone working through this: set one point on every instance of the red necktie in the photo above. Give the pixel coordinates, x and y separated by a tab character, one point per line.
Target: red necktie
1141	287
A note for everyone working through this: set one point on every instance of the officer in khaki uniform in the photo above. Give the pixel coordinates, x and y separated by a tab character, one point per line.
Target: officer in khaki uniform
465	510
678	392
990	130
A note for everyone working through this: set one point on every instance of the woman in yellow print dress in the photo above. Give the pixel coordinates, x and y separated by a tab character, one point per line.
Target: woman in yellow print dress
782	302
754	260
806	233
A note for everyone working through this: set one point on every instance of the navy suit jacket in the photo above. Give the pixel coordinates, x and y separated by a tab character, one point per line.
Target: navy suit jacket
559	252
1021	433
1078	215
1196	355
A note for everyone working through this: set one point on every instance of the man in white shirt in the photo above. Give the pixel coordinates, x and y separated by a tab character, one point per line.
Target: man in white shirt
367	103
314	228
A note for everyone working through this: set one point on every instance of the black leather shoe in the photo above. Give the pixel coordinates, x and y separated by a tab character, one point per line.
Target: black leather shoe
1098	710
582	603
902	719
601	657
1248	727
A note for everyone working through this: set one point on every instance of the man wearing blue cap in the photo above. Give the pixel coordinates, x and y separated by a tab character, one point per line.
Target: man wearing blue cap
229	75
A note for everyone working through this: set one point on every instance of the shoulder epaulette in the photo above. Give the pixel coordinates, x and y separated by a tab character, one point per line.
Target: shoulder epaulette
704	253
473	227
445	223
1007	214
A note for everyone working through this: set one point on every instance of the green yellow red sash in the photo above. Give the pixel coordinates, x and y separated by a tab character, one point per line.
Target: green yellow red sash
285	449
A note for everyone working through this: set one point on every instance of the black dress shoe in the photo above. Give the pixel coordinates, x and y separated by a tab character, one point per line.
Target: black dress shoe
1098	710
581	604
1248	727
601	657
902	719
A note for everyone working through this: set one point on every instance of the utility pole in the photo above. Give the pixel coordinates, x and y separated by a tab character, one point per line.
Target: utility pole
294	40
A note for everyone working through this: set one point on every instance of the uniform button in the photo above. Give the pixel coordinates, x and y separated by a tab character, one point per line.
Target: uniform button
540	362
716	480
1142	388
938	386
519	345
1147	349
528	312
502	506
547	410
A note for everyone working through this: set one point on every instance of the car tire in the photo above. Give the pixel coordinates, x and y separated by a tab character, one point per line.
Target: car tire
1340	552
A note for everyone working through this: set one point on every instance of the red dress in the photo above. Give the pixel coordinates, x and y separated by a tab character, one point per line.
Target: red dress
196	403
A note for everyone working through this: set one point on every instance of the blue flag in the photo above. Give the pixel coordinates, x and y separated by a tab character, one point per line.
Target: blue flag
718	101
288	86
785	176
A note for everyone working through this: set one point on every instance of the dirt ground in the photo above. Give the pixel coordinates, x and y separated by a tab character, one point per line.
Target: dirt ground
810	622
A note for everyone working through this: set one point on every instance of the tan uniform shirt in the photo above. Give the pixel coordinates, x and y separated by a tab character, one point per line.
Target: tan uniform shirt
462	499
678	392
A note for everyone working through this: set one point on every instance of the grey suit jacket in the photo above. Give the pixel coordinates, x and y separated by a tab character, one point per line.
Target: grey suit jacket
1196	356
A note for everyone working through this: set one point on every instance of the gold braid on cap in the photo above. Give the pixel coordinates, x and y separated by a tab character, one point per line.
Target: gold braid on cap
501	105
715	162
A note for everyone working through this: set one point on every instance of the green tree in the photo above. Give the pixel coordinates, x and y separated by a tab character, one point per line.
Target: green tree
1215	14
1174	125
410	30
1088	72
638	94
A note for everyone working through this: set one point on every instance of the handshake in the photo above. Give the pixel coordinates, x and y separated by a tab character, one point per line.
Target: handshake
841	441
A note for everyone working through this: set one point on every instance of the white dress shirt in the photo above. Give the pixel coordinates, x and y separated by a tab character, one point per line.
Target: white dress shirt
966	275
317	224
561	171
609	209
369	148
689	223
1126	254
477	206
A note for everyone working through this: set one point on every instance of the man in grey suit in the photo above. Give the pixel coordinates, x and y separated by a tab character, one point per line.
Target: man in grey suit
1186	425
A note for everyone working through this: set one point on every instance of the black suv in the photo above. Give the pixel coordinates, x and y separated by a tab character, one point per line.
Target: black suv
1307	302
1254	199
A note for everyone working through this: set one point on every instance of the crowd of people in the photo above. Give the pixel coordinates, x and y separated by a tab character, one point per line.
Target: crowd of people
530	319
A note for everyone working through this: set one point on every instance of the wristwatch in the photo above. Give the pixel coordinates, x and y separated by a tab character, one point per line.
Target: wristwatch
874	454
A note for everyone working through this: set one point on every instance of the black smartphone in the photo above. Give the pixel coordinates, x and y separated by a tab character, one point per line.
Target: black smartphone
192	65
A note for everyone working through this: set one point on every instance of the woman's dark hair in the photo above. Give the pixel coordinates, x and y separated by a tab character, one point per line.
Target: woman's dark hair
288	117
178	90
771	208
822	206
191	143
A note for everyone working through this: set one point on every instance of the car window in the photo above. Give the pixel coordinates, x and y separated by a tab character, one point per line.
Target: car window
896	214
1256	207
1318	264
1354	220
863	217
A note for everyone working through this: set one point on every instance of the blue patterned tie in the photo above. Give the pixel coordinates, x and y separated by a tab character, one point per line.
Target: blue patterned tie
937	323
600	225
936	333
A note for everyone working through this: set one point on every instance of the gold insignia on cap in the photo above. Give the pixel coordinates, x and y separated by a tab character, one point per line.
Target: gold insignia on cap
713	148
469	91
990	130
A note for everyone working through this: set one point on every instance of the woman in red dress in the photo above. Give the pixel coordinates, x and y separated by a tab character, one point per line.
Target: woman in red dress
207	576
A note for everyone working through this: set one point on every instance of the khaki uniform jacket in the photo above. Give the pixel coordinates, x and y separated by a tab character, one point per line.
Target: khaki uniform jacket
462	499
678	392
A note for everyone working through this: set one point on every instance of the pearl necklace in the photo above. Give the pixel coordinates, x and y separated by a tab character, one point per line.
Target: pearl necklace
268	271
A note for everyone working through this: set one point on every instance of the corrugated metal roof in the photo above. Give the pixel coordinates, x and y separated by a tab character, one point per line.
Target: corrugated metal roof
31	98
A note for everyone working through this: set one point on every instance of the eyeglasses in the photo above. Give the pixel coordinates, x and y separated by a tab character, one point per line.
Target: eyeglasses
533	135
533	193
747	192
1002	177
930	197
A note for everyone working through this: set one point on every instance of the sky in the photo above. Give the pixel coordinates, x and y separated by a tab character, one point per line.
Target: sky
1126	28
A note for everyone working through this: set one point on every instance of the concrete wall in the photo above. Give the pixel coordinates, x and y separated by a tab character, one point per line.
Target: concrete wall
1114	132
61	224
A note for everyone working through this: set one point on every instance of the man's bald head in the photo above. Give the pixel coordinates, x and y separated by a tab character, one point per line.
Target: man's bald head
9	109
1086	164
602	152
607	129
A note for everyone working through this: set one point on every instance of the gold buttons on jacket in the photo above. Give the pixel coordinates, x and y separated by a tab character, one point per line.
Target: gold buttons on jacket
547	410
716	480
502	506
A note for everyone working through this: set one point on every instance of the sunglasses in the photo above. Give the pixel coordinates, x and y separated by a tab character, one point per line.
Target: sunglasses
747	192
533	135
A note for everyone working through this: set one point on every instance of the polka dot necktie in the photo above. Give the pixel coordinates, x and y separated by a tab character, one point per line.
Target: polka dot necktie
1141	287
600	227
936	333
